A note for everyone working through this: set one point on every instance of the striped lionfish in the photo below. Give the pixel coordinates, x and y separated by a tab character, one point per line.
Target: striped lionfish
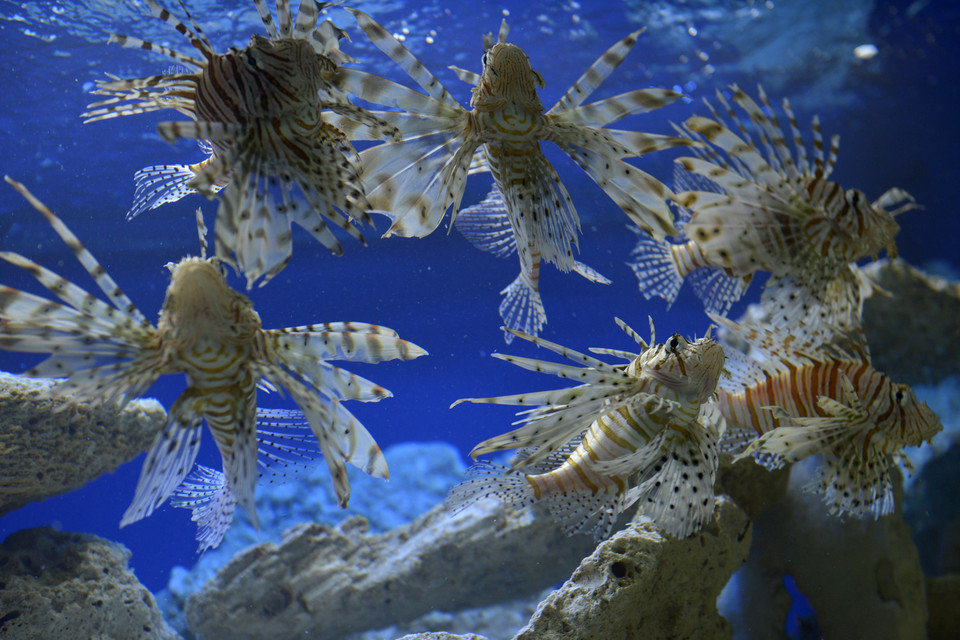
642	431
206	330
755	207
803	399
416	180
260	111
285	446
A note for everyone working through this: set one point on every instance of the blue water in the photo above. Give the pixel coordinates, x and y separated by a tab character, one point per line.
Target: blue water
895	113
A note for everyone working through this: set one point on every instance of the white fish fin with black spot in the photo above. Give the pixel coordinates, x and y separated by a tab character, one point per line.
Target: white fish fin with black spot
490	480
675	478
582	512
212	505
158	185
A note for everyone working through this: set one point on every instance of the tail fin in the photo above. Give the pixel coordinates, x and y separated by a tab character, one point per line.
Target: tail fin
655	267
212	504
521	308
490	480
158	185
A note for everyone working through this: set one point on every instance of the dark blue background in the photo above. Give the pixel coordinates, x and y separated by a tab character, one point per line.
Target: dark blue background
896	115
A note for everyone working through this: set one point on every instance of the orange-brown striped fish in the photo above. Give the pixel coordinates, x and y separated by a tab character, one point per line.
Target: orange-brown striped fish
260	109
639	432
286	446
752	205
798	399
416	180
206	330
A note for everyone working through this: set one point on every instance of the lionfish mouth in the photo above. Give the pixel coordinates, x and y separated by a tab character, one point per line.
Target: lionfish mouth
198	290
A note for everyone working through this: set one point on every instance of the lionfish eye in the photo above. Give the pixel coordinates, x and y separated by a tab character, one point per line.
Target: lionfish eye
898	396
674	343
485	59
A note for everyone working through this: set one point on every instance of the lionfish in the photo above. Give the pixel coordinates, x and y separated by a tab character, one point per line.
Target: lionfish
754	206
416	180
642	432
797	399
260	110
285	446
111	353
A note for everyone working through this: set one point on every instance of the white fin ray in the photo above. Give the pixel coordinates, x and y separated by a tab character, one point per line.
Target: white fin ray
169	460
205	492
381	91
656	269
676	481
603	112
741	188
490	480
354	342
641	196
340	435
100	276
755	165
594	76
486	225
521	308
571	354
583	375
588	272
717	290
389	45
545	429
161	184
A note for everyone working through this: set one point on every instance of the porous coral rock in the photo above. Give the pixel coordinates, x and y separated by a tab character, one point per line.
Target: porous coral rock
330	582
50	446
862	576
641	584
73	585
913	332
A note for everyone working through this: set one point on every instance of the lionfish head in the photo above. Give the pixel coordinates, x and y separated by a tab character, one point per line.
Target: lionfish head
691	368
200	303
508	76
920	423
874	227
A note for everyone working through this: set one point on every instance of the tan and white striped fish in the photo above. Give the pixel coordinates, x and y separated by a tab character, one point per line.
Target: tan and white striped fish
796	399
752	205
642	432
109	352
260	109
286	447
416	180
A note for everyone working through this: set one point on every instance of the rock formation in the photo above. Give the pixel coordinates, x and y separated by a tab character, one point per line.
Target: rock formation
73	585
49	446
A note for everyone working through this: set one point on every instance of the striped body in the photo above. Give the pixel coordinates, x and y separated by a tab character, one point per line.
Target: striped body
209	332
797	390
752	206
639	432
802	399
260	109
416	180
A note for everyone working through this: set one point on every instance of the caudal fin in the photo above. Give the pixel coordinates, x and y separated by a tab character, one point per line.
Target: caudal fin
521	308
159	185
655	267
206	494
490	480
